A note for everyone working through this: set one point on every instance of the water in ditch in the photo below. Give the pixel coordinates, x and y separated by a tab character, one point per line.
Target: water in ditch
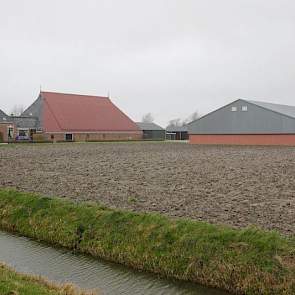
61	265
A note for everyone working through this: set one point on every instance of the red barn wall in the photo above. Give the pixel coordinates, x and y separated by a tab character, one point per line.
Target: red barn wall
243	139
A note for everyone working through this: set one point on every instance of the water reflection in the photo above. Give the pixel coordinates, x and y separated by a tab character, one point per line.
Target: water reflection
63	266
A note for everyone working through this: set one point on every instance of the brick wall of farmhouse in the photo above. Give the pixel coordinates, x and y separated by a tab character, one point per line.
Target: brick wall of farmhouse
96	136
4	128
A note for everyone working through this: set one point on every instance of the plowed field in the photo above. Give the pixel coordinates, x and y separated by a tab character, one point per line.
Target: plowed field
238	186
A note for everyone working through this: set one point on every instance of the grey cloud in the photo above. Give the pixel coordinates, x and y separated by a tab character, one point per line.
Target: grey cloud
167	57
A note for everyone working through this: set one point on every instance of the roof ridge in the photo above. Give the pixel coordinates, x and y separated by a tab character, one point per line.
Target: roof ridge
151	124
285	110
76	94
266	102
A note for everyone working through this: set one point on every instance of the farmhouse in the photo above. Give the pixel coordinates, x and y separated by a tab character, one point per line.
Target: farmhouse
246	122
6	127
151	131
72	117
25	127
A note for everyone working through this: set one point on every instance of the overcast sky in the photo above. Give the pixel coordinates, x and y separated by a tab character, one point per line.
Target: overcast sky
167	57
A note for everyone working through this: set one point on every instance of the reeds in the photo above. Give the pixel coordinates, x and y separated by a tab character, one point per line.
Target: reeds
14	283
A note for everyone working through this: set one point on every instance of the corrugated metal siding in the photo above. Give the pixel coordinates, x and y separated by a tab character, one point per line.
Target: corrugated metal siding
255	120
154	134
279	108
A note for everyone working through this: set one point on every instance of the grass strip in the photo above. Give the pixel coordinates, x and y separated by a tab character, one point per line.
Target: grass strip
13	283
246	261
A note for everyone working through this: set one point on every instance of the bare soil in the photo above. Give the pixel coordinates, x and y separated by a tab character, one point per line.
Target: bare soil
237	186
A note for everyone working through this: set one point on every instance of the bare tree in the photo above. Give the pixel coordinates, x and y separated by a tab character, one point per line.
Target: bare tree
17	110
147	118
194	116
175	123
179	122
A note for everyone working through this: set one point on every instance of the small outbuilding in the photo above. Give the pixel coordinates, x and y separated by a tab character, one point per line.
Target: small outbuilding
177	133
151	131
246	122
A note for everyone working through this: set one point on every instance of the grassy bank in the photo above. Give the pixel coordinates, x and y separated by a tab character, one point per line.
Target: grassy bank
247	261
13	283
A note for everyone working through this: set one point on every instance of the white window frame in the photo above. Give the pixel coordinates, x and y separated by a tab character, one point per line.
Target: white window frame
234	109
26	130
72	137
10	127
244	108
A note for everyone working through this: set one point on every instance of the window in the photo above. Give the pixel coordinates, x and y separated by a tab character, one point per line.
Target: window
10	132
23	132
244	108
4	118
69	137
234	109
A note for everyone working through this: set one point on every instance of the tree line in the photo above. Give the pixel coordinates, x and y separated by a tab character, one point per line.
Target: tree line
177	122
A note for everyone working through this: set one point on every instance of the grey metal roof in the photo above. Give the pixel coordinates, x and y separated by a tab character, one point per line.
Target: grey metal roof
148	126
177	128
2	116
25	122
35	109
278	108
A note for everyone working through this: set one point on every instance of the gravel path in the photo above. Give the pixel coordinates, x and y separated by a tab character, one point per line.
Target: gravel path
239	186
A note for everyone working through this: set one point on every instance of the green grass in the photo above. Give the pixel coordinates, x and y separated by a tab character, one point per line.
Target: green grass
247	261
12	283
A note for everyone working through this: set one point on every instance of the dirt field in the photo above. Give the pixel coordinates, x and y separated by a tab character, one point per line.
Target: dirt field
238	186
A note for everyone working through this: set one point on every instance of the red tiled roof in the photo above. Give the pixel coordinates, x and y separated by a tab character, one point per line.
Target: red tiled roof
72	112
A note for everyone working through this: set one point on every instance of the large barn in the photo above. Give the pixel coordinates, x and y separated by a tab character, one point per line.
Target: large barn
72	117
246	122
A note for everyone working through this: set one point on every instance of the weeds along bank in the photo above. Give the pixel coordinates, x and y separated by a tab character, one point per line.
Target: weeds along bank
246	261
14	283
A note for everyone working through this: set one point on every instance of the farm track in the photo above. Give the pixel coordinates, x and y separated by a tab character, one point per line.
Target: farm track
238	186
